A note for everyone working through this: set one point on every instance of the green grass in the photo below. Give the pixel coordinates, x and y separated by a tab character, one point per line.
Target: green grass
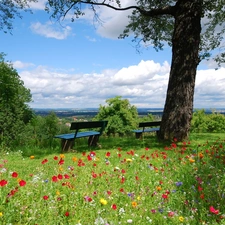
125	181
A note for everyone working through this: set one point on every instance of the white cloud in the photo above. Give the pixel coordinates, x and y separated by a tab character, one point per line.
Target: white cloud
111	22
40	5
49	30
22	65
145	85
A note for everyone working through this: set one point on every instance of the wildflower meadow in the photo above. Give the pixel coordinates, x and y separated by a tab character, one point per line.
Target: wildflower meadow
182	183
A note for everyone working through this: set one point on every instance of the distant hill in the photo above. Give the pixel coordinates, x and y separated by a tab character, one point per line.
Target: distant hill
91	112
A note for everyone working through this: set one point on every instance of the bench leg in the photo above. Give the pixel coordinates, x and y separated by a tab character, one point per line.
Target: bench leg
138	135
93	140
66	145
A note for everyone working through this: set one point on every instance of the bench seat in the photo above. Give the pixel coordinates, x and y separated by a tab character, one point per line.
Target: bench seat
79	135
147	130
67	140
153	126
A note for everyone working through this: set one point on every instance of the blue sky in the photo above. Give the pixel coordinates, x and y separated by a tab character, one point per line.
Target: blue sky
81	64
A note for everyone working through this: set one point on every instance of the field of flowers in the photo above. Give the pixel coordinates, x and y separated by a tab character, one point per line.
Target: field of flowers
179	184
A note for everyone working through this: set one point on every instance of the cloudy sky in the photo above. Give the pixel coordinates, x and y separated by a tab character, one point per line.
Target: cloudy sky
81	64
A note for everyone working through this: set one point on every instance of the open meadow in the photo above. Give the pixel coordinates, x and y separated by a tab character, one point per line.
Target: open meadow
126	181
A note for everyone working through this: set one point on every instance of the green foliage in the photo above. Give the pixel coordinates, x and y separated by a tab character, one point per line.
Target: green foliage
9	9
147	118
14	111
122	117
208	123
40	131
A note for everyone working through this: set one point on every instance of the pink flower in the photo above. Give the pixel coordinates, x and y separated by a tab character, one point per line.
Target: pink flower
213	210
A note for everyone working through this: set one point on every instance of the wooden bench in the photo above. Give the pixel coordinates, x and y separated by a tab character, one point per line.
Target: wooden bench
147	127
67	140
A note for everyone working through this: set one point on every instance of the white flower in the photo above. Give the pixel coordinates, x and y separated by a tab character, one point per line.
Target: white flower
130	221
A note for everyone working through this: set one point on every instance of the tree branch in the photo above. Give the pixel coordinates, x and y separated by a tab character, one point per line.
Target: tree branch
167	10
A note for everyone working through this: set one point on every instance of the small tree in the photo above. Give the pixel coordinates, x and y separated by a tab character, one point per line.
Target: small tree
122	117
14	111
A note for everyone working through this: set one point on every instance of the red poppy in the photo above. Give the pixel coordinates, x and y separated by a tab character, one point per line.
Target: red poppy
44	161
22	183
109	192
121	190
61	161
54	179
66	176
89	158
45	197
14	174
56	158
3	182
107	154
165	196
114	207
67	213
60	177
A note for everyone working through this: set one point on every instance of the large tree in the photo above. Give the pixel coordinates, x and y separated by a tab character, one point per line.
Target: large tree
193	28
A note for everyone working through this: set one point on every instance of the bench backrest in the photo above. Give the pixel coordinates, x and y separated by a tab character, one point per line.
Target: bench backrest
149	124
88	125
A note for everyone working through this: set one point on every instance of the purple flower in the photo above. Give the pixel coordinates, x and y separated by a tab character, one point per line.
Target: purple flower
179	183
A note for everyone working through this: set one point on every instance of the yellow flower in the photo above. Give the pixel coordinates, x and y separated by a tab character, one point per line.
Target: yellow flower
1	214
62	156
74	159
57	192
134	204
191	160
181	218
138	198
103	201
158	188
32	157
129	160
60	168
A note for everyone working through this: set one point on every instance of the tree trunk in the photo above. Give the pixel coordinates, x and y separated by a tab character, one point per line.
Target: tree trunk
178	108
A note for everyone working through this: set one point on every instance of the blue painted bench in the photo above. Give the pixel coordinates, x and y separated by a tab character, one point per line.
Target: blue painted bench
153	126
67	140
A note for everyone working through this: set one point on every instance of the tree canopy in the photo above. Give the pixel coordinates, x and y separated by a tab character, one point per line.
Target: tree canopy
152	22
14	111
